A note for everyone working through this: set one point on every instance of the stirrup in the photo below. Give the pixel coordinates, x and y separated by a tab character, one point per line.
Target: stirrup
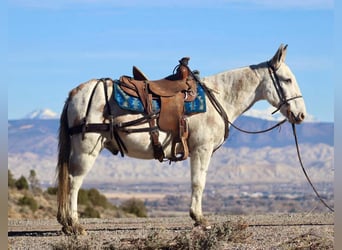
180	155
182	139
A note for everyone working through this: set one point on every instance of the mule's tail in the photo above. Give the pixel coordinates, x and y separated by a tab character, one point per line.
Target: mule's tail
63	182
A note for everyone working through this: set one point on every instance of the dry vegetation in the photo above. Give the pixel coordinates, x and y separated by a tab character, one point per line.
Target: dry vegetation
197	238
32	225
272	231
26	200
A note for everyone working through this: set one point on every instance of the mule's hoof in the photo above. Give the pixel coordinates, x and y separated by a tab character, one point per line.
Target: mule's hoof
82	231
203	224
203	227
74	230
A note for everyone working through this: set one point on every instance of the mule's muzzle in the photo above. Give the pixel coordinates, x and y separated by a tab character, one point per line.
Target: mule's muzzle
296	119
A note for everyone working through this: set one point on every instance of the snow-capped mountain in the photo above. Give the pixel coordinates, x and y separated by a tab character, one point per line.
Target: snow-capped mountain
42	114
266	114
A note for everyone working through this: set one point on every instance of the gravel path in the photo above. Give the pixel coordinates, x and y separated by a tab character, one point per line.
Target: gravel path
271	231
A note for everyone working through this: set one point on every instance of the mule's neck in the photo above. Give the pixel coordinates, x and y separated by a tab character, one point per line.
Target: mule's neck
238	89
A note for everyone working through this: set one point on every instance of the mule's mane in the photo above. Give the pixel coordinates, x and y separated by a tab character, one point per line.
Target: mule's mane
238	88
249	73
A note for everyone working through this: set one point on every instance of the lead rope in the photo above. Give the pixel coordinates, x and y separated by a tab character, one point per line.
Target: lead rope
219	108
223	114
304	171
260	131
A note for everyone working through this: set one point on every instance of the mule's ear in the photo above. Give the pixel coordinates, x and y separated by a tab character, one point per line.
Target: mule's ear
279	56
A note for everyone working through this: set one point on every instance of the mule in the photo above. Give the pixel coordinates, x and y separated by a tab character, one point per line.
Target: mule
235	91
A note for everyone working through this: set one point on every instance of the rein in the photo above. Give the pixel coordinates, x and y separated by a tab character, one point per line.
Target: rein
260	131
113	128
224	115
304	171
283	101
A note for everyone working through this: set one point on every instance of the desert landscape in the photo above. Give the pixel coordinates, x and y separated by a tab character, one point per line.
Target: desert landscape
248	221
256	196
269	231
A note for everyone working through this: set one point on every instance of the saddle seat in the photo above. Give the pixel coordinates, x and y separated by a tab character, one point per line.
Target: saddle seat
172	91
171	85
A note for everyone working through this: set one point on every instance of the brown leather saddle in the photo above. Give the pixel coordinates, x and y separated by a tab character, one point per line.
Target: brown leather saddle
172	91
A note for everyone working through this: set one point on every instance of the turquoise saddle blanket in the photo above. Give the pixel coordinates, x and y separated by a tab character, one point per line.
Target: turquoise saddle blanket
134	104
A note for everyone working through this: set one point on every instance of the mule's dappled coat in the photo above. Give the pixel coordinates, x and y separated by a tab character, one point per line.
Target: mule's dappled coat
236	90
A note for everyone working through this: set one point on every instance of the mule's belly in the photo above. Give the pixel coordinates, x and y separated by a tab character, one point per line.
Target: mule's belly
139	145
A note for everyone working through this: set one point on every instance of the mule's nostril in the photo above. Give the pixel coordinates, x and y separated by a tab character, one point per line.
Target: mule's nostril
301	117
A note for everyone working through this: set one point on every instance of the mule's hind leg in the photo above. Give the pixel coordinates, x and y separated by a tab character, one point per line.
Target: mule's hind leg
81	161
199	160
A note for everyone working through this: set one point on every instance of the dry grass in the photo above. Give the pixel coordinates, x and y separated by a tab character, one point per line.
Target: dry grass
223	235
197	238
309	240
271	231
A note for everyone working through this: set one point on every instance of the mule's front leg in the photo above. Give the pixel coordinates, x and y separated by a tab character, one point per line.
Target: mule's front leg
200	159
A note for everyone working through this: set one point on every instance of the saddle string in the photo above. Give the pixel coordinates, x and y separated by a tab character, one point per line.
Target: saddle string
304	171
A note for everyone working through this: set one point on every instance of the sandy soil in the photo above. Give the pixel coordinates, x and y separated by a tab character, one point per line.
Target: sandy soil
271	231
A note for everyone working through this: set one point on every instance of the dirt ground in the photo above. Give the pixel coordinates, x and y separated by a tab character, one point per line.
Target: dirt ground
270	231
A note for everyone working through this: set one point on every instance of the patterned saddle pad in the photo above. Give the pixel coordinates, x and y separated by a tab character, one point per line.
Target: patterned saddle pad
134	104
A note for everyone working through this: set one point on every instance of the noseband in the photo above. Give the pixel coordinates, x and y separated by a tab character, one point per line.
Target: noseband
279	89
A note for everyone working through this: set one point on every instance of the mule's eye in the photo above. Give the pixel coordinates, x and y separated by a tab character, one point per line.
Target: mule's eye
288	80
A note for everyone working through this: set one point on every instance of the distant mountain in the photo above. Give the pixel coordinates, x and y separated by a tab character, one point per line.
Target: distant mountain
40	135
269	157
307	132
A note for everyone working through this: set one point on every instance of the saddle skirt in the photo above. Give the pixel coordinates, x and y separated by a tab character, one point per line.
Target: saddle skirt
134	104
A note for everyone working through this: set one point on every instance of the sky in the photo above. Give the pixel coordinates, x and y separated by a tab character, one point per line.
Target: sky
53	46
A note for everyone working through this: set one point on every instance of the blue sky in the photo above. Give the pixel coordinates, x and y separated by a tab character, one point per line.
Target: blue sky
52	46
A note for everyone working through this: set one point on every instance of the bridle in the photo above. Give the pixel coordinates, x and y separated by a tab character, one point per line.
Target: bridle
283	101
280	91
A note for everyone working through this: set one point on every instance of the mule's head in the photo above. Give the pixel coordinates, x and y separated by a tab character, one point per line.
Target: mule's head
282	89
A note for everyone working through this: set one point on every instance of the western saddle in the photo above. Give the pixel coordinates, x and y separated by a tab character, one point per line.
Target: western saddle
172	91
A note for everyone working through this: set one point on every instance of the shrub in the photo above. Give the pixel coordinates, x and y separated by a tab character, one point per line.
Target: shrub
28	201
92	197
34	182
82	198
22	183
51	190
90	212
11	180
96	198
134	206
